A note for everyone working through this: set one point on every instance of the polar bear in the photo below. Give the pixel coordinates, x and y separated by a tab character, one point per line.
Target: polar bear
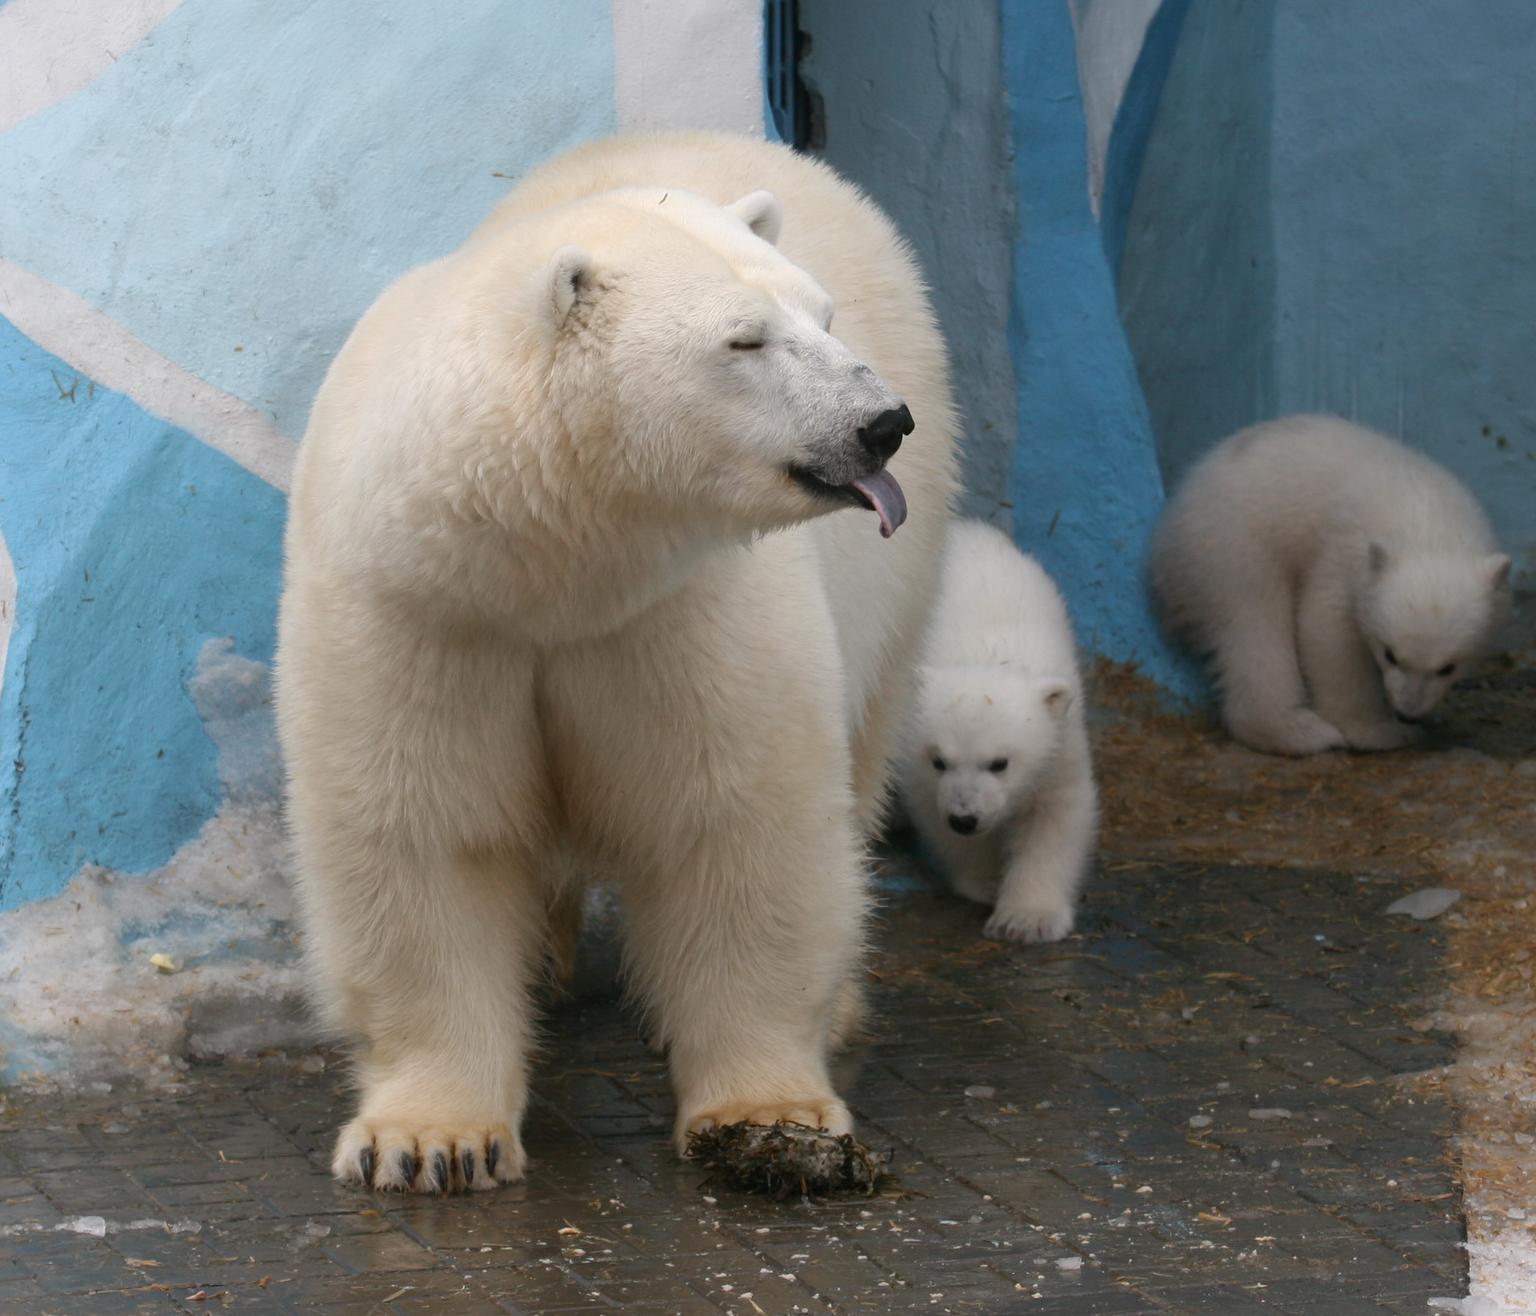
576	579
996	773
1337	578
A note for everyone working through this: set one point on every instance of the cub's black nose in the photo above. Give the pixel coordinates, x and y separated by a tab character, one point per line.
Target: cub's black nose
883	435
964	823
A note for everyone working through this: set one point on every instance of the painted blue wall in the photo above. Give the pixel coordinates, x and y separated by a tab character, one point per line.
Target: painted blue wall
913	110
1086	486
966	123
233	191
133	543
1335	213
240	185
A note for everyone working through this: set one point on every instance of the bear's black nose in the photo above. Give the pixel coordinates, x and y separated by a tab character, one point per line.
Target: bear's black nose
964	823
883	435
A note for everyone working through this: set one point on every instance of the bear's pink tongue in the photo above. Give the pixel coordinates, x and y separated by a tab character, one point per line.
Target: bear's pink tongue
882	495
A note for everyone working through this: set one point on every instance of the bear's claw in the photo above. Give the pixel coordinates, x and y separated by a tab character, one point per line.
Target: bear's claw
408	1167
388	1158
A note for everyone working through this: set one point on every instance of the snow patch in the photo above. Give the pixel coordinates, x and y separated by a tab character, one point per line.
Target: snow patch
1471	1307
96	1226
1431	902
85	1000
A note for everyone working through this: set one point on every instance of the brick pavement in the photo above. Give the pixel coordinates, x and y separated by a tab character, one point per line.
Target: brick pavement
1074	1127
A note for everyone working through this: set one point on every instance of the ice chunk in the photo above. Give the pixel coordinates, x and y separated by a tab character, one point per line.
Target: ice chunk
1470	1306
80	1005
1431	902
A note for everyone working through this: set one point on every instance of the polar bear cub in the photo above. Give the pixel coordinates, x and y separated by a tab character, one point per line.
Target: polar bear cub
1339	581
996	771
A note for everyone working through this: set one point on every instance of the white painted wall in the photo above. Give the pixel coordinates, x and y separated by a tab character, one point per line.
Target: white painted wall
1110	34
688	64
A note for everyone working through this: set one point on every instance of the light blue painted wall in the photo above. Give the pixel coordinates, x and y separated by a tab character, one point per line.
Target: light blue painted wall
914	112
966	123
133	543
1198	273
254	172
1336	214
233	191
1086	486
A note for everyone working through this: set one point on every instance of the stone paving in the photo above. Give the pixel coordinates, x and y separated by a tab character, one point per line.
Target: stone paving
1203	1103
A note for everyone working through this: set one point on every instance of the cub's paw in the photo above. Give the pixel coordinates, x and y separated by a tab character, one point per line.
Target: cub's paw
814	1112
1386	734
983	890
1296	733
1030	923
393	1157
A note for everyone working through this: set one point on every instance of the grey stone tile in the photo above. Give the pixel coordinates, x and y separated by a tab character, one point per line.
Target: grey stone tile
1096	1051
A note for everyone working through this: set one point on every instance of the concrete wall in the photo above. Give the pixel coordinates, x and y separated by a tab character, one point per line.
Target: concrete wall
1086	487
1335	214
998	137
912	108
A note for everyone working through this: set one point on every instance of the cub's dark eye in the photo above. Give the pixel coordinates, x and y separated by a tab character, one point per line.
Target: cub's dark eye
998	765
1447	670
1389	656
940	766
746	344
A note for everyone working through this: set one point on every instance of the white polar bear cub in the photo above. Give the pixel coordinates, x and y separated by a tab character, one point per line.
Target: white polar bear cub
997	776
535	624
1337	579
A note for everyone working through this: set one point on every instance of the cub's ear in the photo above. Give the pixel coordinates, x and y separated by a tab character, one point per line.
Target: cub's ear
1056	696
567	277
760	212
1497	568
1376	558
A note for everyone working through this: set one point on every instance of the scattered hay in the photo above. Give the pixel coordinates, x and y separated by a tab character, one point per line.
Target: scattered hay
780	1159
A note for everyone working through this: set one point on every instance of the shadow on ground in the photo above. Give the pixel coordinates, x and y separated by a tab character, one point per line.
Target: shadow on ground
1203	1103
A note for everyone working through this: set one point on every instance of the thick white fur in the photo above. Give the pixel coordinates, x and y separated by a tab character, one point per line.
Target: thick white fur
997	735
552	603
1336	577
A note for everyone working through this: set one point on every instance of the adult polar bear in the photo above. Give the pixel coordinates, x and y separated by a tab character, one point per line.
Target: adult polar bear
536	619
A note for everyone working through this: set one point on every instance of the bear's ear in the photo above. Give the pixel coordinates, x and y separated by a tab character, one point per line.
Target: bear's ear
760	212
1497	571
1056	696
1376	558
568	276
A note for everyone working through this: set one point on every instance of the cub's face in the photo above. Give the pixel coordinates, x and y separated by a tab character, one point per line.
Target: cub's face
986	739
1428	619
711	377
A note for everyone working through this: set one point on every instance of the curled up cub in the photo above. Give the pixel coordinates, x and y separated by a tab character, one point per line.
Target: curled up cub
996	772
1339	580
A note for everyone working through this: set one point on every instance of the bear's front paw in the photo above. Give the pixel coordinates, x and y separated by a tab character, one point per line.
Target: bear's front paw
983	890
442	1159
1298	732
814	1112
1030	923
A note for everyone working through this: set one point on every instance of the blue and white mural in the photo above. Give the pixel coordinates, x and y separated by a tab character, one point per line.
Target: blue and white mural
197	200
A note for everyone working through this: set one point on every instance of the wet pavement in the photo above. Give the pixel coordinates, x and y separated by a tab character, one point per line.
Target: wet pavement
1203	1103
